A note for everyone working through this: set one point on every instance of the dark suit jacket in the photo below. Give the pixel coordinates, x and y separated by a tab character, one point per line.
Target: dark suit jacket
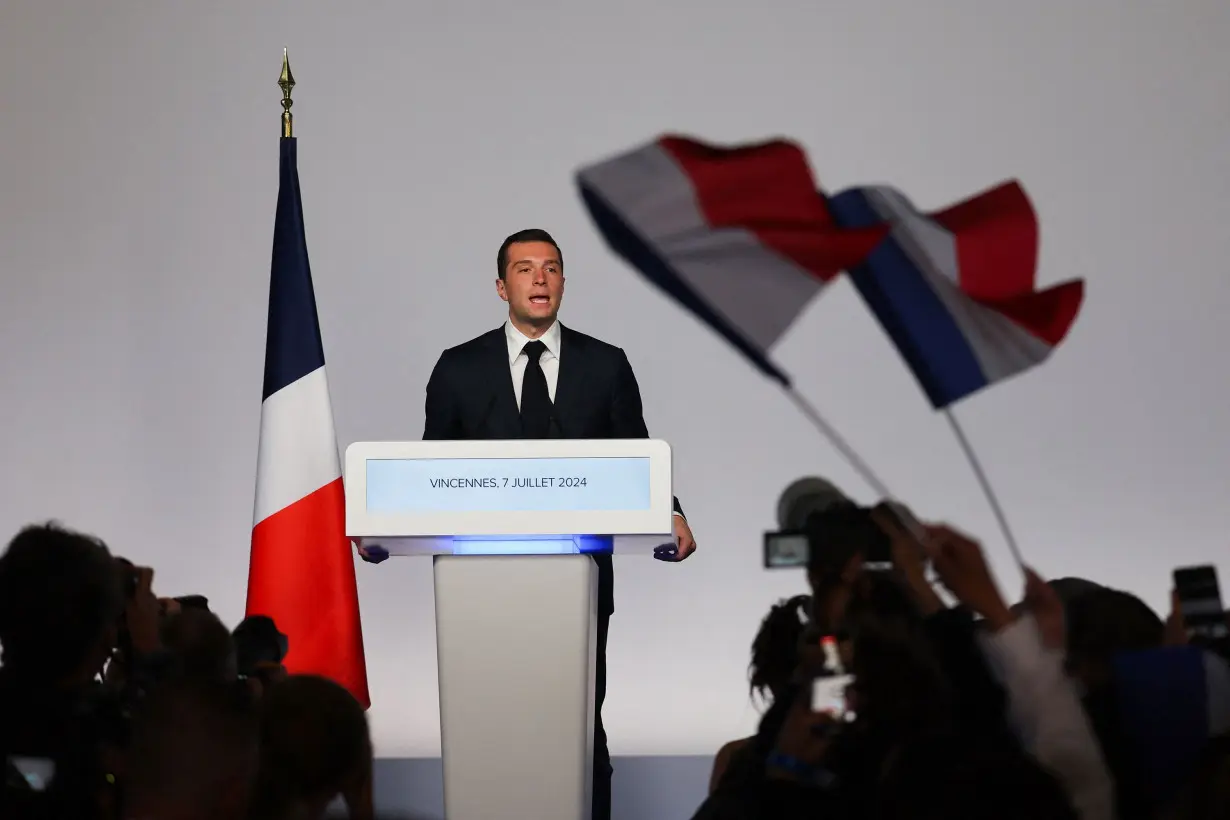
470	396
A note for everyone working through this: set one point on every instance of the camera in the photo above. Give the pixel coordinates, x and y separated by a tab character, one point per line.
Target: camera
258	643
820	528
829	539
786	550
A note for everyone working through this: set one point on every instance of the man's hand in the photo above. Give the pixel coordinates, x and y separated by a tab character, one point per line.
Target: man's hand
804	736
1044	604
685	544
963	569
373	554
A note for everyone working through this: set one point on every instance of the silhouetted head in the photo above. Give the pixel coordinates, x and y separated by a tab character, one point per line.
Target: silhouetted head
61	596
775	649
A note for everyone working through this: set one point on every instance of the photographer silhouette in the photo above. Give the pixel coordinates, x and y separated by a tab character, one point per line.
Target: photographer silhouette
64	602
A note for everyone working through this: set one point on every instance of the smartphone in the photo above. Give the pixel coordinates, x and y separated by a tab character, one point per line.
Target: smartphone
828	694
1200	601
783	550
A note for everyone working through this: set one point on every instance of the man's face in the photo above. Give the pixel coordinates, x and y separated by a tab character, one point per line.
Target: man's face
533	283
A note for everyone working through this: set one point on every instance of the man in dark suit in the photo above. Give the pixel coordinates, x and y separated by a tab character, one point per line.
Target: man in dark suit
534	378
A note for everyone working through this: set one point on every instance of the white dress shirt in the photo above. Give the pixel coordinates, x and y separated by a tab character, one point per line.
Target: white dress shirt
517	359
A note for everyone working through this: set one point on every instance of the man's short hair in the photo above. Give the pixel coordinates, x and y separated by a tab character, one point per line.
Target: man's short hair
60	591
1103	622
527	235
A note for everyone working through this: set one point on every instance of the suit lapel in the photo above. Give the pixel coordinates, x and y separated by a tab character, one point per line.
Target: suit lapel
570	384
505	418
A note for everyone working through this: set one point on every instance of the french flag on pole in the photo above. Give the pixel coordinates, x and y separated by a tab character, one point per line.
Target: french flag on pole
955	290
742	237
739	236
302	569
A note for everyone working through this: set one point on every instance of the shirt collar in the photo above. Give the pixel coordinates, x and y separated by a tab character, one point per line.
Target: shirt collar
517	340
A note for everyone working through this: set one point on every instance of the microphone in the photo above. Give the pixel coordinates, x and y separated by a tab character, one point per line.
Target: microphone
805	496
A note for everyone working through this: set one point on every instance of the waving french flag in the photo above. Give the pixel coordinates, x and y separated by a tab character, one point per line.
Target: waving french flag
742	237
955	290
739	236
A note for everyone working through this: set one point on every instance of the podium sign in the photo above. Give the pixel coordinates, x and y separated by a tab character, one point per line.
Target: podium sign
508	523
509	497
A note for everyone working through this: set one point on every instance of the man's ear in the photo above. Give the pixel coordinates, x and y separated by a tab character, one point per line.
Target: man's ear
501	290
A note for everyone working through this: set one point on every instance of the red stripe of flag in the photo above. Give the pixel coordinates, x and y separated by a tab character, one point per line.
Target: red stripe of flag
996	235
768	190
302	575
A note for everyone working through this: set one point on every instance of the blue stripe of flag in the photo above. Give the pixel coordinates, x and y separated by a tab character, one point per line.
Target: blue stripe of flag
906	305
293	347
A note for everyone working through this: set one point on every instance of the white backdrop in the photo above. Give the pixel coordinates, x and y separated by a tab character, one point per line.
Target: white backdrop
138	148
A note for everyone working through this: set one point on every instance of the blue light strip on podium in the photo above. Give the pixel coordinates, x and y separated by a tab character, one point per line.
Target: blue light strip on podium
531	545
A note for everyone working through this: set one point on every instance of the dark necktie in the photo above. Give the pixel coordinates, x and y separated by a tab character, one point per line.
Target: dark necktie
536	412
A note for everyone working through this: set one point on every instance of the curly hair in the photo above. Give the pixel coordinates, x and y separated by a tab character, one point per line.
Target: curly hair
775	648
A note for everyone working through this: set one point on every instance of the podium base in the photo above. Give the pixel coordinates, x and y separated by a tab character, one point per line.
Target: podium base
516	639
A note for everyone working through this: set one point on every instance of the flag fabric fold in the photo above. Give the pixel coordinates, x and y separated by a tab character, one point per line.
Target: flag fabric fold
744	239
955	290
301	572
738	236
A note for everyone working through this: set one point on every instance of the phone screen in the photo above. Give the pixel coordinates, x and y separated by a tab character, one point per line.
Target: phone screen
1200	601
38	772
828	694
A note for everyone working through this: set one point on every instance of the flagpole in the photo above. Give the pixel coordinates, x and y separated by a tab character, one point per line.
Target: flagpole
987	491
828	431
287	81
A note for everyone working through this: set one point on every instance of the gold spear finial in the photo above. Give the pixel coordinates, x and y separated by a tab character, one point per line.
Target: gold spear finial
287	81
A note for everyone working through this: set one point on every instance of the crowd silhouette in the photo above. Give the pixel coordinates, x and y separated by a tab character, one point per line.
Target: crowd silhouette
903	690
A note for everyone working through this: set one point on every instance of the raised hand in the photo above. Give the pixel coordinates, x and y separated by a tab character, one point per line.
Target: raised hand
962	567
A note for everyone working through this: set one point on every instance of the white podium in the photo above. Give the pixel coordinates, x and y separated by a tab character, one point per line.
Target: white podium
509	525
